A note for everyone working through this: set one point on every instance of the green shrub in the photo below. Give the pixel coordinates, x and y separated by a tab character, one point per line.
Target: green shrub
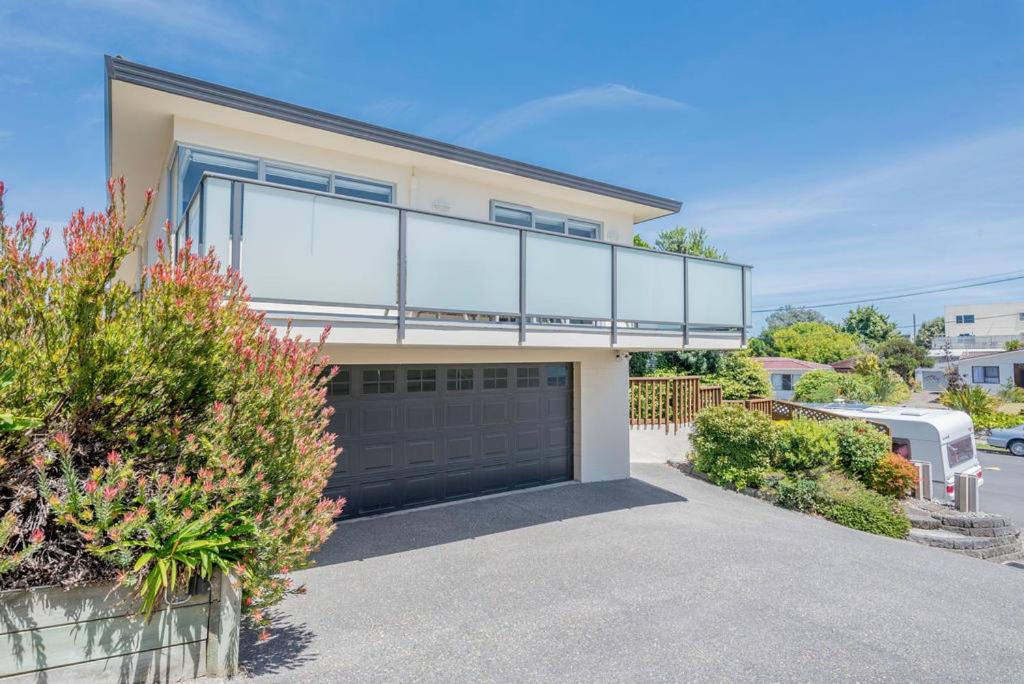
822	386
1010	392
733	446
805	444
980	405
182	433
740	377
798	494
849	503
861	446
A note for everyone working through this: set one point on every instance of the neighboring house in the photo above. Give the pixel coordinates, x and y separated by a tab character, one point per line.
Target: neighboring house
979	328
784	373
845	366
482	310
992	370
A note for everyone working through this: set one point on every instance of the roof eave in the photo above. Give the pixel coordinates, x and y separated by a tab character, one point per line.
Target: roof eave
119	69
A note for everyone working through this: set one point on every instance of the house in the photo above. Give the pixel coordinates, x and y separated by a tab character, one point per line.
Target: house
992	370
482	310
979	328
784	372
846	365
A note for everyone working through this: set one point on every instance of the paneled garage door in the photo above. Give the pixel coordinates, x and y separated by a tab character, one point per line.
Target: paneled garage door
417	435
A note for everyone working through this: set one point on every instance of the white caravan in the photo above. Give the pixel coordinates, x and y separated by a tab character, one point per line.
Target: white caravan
942	437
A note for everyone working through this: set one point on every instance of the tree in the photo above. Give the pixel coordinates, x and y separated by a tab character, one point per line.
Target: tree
640	364
788	315
741	377
683	240
1011	345
869	325
929	330
823	386
702	362
640	242
902	356
818	342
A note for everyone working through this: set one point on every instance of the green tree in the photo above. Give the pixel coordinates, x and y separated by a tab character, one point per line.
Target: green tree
741	377
902	356
640	364
929	330
1011	345
683	240
788	315
869	325
818	342
640	242
700	362
823	386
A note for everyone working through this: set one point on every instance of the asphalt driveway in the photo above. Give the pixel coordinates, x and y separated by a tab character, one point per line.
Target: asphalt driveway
1003	492
658	578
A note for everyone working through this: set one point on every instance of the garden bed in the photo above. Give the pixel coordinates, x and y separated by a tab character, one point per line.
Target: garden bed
95	633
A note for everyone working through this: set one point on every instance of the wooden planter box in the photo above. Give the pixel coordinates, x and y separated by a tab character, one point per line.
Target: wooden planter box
94	633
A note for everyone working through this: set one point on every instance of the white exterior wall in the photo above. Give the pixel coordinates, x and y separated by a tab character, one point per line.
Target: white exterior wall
600	411
776	380
1003	318
1005	362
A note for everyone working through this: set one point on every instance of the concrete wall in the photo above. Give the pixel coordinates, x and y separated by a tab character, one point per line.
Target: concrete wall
600	415
94	634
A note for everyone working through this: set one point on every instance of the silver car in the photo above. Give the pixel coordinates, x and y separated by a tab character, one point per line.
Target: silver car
1010	438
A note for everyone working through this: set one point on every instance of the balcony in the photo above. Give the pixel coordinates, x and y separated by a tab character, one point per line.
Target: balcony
974	342
380	274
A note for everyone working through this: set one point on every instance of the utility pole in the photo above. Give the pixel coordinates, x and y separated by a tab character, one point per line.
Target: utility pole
915	328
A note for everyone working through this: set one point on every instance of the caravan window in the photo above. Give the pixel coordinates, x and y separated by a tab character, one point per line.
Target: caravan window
901	447
959	451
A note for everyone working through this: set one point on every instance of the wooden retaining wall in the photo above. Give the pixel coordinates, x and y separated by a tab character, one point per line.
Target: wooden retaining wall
94	634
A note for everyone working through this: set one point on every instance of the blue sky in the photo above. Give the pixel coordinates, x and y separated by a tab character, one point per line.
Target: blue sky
844	149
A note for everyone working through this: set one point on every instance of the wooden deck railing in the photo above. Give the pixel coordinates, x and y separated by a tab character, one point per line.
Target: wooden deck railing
673	402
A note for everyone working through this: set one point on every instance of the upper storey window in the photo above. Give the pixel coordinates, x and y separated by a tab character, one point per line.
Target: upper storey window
526	217
193	163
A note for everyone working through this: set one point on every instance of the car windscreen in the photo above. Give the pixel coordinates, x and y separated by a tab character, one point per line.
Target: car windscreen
959	451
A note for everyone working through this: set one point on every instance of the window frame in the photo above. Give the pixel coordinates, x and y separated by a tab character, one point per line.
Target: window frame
786	382
262	163
523	373
984	375
379	382
456	375
565	219
965	319
499	379
424	385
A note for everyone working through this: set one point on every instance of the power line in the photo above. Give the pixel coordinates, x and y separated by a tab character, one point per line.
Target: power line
893	296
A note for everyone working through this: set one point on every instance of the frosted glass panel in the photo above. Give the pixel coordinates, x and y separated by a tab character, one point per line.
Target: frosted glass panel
750	295
193	225
715	293
217	219
460	265
650	286
302	247
567	277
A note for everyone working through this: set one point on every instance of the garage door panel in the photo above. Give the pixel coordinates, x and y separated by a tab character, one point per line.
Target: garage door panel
376	417
410	441
460	448
421	415
495	411
458	413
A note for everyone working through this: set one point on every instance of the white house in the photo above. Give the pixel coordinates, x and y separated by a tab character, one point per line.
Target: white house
992	370
974	328
784	373
482	309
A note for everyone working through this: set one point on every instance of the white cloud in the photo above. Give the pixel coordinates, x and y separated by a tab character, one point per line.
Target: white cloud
610	96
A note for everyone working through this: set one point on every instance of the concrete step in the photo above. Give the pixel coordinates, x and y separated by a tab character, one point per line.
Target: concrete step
944	539
921	520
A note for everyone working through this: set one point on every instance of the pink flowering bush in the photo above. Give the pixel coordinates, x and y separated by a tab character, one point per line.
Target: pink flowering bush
172	431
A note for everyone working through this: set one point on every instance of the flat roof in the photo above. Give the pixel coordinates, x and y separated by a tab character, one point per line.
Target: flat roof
120	69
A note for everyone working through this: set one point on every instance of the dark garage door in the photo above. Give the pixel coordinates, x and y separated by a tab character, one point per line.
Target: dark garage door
417	435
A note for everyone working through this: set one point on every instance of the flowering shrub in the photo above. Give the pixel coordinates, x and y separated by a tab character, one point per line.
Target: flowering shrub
177	431
893	475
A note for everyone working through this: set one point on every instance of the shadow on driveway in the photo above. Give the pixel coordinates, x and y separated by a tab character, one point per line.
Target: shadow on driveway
372	537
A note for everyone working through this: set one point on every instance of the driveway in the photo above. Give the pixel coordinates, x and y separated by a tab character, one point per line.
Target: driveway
1003	491
657	578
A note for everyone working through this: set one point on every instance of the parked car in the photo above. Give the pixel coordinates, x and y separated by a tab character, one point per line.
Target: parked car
1009	438
943	437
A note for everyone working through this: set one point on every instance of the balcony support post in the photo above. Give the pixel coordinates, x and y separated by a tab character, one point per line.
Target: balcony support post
686	303
401	274
237	188
615	313
522	287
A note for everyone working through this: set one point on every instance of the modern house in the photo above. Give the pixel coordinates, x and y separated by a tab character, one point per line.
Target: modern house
979	328
482	310
784	373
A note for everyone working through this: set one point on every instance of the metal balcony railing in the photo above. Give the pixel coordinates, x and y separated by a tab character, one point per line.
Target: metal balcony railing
313	248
